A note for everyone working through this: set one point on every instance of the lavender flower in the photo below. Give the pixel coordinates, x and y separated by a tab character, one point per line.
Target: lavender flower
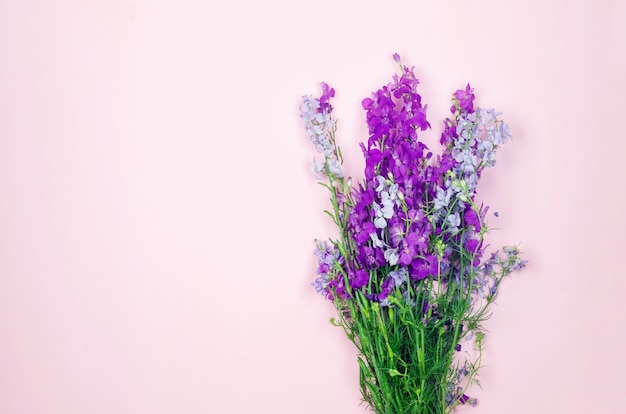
399	276
320	126
328	257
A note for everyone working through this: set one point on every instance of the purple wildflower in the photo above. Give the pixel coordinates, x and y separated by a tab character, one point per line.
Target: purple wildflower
327	93
464	100
359	279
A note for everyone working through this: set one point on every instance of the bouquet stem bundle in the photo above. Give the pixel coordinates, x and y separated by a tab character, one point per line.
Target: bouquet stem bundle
407	273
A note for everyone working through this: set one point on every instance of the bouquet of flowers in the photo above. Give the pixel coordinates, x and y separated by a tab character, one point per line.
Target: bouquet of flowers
407	273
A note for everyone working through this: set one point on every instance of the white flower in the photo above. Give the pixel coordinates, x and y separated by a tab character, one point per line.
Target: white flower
391	256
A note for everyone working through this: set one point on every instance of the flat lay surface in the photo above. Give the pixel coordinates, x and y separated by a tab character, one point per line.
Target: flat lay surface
157	208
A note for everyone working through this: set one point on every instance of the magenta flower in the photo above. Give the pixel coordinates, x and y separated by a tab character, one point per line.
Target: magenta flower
465	98
327	93
359	279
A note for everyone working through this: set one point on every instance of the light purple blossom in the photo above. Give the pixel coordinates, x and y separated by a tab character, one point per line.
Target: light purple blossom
334	166
399	276
320	127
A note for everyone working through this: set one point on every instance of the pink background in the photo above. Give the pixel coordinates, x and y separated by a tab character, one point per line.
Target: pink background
157	211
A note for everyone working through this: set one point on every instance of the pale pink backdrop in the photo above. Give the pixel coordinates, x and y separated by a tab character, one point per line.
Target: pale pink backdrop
157	210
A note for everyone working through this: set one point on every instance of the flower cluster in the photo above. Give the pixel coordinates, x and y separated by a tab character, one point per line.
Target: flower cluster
390	226
411	241
328	258
318	123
